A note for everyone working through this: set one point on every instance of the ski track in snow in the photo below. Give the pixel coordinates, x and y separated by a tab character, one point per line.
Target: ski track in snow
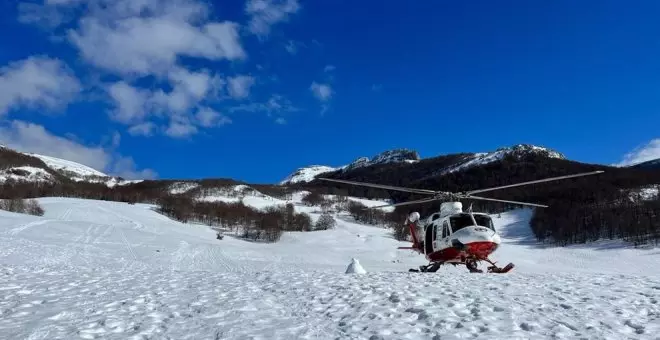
108	270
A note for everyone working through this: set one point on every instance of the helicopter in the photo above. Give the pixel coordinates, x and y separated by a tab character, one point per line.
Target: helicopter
452	235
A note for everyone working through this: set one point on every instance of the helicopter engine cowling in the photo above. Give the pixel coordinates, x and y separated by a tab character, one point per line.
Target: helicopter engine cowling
413	217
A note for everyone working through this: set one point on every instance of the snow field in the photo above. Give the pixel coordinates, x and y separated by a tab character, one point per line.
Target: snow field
68	303
109	270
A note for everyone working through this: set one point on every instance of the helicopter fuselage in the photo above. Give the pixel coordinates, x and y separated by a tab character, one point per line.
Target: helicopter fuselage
454	236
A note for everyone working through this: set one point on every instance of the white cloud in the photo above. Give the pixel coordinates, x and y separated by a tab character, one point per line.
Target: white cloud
34	138
322	92
152	45
180	129
142	47
208	118
37	82
647	152
130	102
125	167
142	129
196	84
291	47
266	13
275	104
329	68
116	139
135	105
239	86
280	121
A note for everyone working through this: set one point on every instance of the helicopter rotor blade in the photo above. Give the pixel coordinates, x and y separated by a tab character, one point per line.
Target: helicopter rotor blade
382	186
424	200
505	201
533	182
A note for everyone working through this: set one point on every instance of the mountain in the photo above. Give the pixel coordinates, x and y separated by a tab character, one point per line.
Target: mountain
652	164
308	173
457	162
31	167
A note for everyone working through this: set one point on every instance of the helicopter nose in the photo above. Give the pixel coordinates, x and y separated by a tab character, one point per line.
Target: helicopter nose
476	234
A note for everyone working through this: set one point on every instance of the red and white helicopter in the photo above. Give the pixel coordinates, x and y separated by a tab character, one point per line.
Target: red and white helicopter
454	236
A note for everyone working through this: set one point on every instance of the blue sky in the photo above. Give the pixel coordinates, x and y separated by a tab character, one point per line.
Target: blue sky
254	89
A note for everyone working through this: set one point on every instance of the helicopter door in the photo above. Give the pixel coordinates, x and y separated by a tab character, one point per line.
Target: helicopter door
428	238
445	233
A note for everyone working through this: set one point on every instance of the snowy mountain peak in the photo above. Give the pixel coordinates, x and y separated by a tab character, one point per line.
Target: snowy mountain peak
520	149
483	158
306	174
390	156
68	166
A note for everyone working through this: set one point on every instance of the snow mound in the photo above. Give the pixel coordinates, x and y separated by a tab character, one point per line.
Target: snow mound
355	267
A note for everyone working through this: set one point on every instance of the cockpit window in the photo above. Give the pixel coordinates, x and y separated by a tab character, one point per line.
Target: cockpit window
461	221
484	221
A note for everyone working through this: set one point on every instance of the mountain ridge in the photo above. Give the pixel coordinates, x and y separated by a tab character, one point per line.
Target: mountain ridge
650	164
26	166
403	155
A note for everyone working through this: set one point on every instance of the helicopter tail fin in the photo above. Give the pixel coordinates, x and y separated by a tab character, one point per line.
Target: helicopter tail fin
410	221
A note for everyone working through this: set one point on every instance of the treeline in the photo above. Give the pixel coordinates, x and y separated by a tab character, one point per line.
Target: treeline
567	223
22	206
250	223
257	225
132	194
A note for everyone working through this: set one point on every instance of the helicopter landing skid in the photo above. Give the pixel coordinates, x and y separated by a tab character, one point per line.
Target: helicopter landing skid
471	266
429	268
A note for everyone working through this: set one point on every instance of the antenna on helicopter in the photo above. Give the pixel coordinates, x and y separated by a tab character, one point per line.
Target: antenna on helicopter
444	195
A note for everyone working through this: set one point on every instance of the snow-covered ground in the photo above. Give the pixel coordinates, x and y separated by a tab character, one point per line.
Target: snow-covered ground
109	270
62	164
28	173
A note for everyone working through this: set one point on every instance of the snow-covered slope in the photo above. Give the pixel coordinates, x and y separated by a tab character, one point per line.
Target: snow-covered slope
652	164
27	173
95	269
39	168
68	166
307	174
482	158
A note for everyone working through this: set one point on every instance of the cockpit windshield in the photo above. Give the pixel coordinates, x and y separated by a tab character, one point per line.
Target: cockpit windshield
461	221
484	221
